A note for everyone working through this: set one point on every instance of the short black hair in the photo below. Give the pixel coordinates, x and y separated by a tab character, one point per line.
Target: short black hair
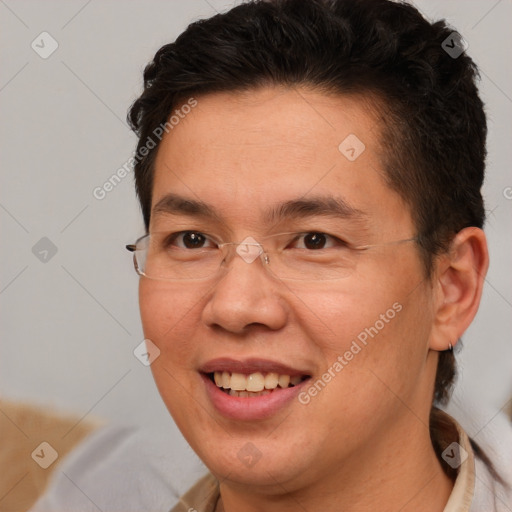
432	120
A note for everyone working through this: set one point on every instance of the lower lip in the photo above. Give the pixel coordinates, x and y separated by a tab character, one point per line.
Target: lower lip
250	408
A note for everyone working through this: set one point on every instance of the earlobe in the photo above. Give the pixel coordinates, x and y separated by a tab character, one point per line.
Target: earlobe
459	279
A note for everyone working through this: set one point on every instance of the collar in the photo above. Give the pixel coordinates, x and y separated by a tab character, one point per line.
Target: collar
463	490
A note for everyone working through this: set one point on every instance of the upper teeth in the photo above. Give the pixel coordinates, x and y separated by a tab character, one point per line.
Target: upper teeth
254	382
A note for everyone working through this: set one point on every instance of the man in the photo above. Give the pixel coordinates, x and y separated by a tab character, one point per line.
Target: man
309	175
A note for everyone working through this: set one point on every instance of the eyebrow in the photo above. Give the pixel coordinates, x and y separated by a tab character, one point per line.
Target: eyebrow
175	204
326	206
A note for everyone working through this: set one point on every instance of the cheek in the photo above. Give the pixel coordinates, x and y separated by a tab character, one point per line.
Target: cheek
170	319
372	362
379	327
334	317
170	315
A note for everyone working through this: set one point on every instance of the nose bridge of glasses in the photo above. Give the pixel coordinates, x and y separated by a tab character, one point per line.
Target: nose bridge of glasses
248	249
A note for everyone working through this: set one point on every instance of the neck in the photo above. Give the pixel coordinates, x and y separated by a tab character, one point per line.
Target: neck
398	474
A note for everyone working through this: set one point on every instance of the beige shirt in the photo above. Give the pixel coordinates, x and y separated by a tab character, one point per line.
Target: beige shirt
474	490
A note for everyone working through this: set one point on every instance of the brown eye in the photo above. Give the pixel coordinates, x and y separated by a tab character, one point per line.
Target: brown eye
193	240
315	241
187	240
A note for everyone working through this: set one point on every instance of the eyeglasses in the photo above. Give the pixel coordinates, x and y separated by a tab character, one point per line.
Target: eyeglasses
192	255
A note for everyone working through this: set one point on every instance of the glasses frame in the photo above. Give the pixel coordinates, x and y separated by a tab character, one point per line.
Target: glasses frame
263	254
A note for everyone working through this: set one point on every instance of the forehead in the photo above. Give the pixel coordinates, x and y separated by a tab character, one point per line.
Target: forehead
241	152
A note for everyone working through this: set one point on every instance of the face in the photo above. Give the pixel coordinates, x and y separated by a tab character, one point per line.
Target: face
356	347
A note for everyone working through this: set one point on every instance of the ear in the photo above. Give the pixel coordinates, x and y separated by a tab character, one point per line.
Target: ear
458	281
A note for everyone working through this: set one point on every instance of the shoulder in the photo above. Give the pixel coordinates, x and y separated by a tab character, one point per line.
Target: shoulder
493	484
491	494
491	440
118	469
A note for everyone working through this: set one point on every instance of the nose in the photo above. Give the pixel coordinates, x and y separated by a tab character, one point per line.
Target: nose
246	295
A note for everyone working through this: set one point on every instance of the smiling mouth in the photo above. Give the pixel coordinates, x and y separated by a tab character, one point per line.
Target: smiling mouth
254	384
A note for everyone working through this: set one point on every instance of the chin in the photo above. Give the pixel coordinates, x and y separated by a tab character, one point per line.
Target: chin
267	473
254	459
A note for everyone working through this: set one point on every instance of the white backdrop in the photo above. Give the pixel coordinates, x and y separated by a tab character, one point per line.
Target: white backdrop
68	292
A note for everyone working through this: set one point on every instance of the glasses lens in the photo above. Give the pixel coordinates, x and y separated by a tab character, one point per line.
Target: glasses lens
311	256
157	259
302	264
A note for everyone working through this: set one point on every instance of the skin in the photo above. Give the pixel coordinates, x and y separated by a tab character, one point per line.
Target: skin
362	443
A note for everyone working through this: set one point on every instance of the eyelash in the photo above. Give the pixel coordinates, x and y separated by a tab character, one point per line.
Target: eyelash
334	241
171	239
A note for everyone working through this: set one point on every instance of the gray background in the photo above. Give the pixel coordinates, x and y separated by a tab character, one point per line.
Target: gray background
70	324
